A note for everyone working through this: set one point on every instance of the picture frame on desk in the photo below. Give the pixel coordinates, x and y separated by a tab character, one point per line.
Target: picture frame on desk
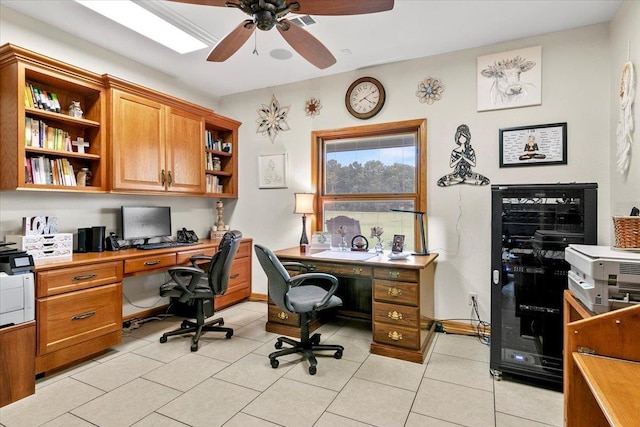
397	246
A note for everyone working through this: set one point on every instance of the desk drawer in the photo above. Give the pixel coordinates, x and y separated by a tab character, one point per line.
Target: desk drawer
276	315
65	320
395	314
53	282
239	275
395	335
149	263
397	274
244	251
185	256
395	292
341	269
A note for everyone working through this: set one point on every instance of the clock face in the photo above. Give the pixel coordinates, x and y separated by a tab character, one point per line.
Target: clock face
365	98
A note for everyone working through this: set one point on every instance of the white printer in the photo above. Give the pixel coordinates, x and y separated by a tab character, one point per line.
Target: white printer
603	278
17	287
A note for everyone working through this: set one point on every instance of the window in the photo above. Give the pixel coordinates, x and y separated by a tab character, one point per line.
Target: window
361	173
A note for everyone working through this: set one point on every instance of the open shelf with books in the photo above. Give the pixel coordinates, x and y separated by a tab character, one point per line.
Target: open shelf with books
43	144
221	156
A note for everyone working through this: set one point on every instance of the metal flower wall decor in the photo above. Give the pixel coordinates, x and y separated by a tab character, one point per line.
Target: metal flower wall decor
272	119
312	107
429	90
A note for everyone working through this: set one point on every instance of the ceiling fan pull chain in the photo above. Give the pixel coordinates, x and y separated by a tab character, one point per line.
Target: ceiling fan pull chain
255	45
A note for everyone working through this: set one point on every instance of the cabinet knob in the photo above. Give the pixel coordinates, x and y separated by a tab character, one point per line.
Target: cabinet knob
395	292
163	177
283	316
357	270
394	315
394	274
155	262
84	277
170	179
84	315
395	335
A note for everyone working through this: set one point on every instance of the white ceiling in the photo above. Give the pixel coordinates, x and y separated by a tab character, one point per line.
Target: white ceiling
413	29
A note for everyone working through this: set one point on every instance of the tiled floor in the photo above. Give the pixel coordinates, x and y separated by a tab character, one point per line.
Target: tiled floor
230	382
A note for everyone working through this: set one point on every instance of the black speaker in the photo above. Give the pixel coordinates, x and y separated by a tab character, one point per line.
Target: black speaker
84	240
97	239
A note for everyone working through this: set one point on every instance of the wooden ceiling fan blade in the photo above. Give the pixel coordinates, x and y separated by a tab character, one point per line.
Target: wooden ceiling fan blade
341	7
306	44
232	42
221	3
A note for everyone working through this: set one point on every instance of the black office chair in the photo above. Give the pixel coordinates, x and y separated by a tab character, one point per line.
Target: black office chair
293	295
197	287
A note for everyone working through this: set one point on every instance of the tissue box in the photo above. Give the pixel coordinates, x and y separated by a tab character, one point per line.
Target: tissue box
41	246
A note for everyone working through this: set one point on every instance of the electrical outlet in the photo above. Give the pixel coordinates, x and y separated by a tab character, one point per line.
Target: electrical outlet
473	297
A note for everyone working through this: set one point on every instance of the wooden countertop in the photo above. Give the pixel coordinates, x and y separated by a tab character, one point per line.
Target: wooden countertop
413	262
615	385
79	259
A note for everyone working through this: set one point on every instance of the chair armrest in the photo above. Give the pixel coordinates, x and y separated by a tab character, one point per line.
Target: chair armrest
300	265
300	278
196	258
187	278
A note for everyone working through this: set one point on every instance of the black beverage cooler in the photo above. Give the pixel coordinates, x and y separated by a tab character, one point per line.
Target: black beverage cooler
531	226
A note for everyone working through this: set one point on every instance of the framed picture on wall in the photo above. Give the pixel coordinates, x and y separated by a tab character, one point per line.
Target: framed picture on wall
510	79
272	171
533	145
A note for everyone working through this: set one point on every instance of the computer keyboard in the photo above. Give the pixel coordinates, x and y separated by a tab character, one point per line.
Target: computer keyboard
161	245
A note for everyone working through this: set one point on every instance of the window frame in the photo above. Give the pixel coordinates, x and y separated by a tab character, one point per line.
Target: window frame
318	151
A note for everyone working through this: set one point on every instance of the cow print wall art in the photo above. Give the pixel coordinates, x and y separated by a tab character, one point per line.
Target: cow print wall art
510	79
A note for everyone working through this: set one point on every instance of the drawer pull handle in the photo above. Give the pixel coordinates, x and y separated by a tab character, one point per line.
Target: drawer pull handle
396	336
394	315
233	276
152	262
394	274
357	270
84	315
283	316
84	277
395	292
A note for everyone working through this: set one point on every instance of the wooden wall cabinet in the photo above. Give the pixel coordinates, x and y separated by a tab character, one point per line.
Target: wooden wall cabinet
33	150
156	142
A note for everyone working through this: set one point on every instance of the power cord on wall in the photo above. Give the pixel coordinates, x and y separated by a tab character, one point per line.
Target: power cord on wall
480	325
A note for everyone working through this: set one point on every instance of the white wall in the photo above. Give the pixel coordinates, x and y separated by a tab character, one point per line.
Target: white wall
459	217
625	45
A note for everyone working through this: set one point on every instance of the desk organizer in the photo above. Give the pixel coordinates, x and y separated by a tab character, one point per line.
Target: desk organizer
45	246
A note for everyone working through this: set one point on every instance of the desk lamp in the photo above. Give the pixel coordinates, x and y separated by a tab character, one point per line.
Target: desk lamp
420	216
304	206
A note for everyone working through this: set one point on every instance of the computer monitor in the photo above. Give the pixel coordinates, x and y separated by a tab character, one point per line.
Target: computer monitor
145	222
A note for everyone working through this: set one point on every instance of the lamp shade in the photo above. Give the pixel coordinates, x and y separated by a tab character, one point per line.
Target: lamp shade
304	203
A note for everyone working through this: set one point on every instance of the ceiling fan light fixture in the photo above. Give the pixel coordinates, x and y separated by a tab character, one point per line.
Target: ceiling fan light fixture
143	22
264	19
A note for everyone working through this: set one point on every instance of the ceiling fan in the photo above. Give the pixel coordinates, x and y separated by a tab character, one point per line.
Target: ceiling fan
267	14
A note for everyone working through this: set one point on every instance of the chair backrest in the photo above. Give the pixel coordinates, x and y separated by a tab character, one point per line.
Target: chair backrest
352	226
220	267
277	276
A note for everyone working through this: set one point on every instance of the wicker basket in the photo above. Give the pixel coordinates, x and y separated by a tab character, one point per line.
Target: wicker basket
627	232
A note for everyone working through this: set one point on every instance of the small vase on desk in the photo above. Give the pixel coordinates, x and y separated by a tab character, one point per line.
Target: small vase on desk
343	244
379	247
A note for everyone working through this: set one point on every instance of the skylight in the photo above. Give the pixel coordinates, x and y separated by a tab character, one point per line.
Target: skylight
146	23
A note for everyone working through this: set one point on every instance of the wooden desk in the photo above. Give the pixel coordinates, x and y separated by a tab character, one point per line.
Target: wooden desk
401	295
79	300
602	369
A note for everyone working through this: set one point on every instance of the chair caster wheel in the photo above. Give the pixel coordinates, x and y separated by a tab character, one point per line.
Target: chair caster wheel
312	370
194	347
274	363
338	355
184	324
229	334
278	345
163	339
316	340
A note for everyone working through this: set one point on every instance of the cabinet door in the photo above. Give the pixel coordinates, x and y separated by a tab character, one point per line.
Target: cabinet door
185	152
137	143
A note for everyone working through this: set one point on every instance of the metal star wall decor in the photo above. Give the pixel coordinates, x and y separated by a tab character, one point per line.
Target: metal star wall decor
429	90
272	119
312	107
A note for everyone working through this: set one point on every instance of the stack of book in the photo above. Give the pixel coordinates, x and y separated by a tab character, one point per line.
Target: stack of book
45	170
38	133
36	97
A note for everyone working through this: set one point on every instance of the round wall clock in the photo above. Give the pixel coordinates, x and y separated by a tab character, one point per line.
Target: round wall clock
365	98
